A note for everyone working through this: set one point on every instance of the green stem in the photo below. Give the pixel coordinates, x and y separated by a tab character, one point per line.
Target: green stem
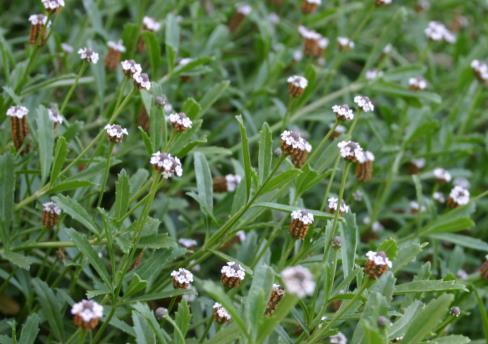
322	143
102	328
105	175
73	87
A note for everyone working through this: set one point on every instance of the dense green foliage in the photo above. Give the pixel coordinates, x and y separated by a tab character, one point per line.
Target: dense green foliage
118	237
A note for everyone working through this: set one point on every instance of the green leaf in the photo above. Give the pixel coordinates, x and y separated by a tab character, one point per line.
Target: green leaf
349	237
70	185
51	308
135	286
407	251
212	95
30	330
144	334
483	312
45	139
152	45
427	319
159	295
147	141
246	156
121	195
280	180
389	246
18	259
462	240
204	181
172	39
89	253
156	241
449	225
290	208
454	339
60	154
191	108
265	158
130	36
282	310
429	286
183	319
7	190
257	298
146	316
76	211
399	327
399	91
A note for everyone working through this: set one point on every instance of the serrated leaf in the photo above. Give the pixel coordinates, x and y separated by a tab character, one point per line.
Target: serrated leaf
51	308
61	151
427	319
18	259
257	298
156	241
30	329
212	95
429	286
182	319
350	237
121	195
246	156
462	240
70	185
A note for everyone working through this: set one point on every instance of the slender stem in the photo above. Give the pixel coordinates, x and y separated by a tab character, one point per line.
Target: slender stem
322	143
73	87
331	181
102	328
107	171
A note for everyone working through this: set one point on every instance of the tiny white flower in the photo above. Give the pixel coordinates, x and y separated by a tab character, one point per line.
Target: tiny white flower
117	46
351	150
221	311
187	243
68	49
233	269
52	5
168	165
294	140
88	55
182	276
303	216
38	19
480	69
131	67
142	81
179	120
379	258
345	43
87	310
373	74
459	195
244	9
343	112
417	83
115	132
18	111
462	182
387	49
232	181
150	24
438	32
418	163
298	280
332	205
55	116
364	103
338	338
184	61
442	175
51	208
298	81
439	197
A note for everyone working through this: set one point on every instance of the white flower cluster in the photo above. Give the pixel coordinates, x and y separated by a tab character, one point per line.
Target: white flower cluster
295	141
345	43
117	46
233	269
417	83
415	207
303	216
87	310
168	165
184	61
88	55
182	276
115	131
438	32
51	208
180	119
38	19
439	197
131	67
298	281
315	2
343	112
18	111
338	338
442	175
378	258
366	157
298	81
459	195
232	181
481	69
68	49
364	103
351	150
244	9
313	35
150	24
55	116
142	81
221	311
334	201
373	74
419	163
52	5
187	243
